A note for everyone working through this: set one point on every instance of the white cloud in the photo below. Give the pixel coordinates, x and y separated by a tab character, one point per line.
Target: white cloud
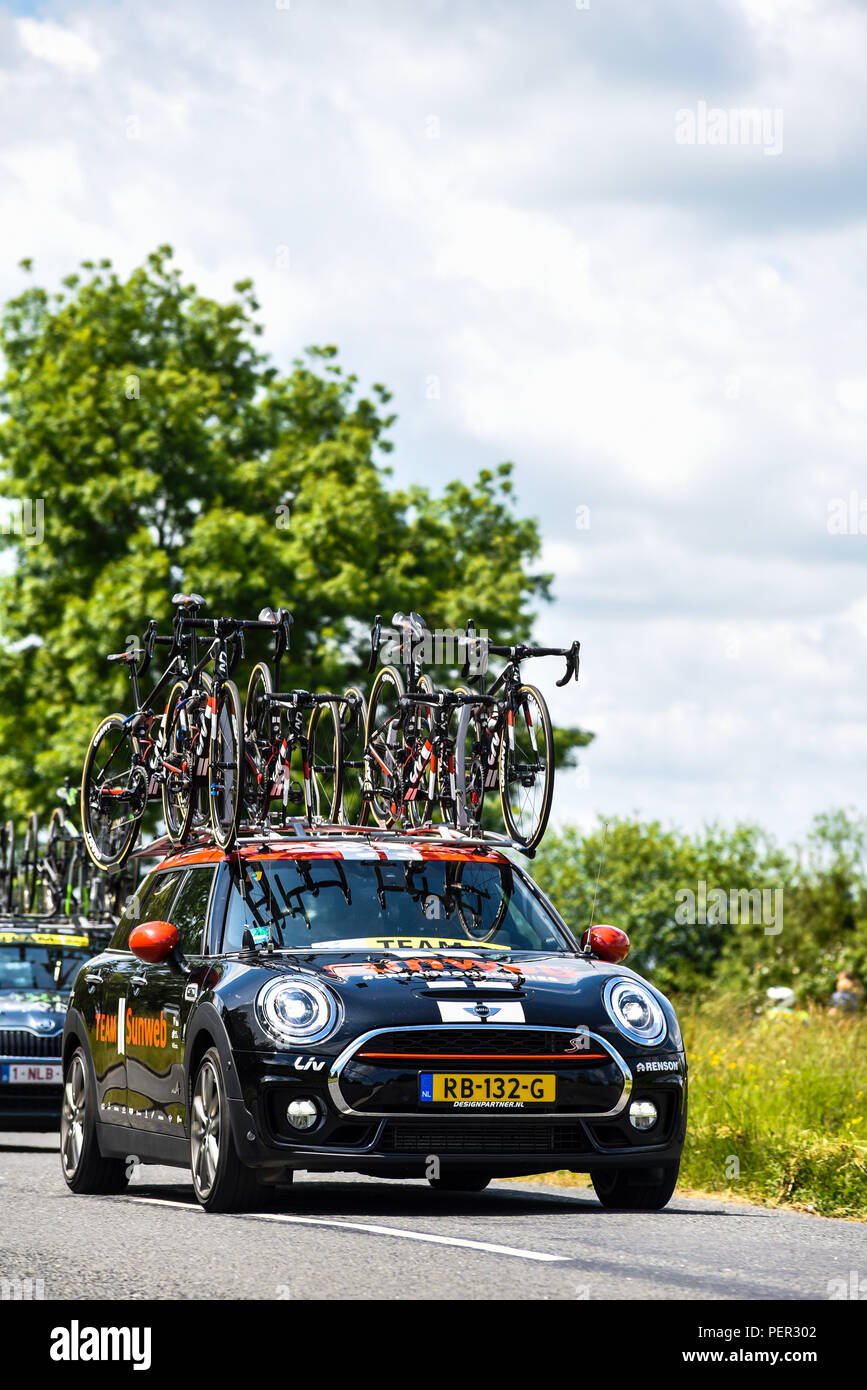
61	47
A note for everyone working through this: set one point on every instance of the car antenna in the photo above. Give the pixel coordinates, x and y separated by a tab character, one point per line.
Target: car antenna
598	876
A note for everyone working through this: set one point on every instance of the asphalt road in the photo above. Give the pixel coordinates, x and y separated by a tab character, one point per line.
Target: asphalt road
356	1238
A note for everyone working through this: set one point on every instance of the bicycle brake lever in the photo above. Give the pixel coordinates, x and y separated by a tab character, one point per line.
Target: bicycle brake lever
375	637
469	637
572	664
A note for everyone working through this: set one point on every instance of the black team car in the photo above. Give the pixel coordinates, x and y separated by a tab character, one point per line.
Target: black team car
397	1005
38	963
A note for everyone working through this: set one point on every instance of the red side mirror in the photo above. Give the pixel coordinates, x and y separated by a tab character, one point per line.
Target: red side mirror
608	943
152	942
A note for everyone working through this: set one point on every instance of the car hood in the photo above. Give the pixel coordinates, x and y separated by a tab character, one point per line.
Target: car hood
405	987
40	1011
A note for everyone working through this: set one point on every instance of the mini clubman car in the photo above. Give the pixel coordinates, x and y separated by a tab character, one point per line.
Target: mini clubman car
38	963
394	1005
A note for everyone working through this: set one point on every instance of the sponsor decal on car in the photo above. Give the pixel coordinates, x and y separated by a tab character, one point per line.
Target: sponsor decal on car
144	1031
41	938
657	1064
105	1027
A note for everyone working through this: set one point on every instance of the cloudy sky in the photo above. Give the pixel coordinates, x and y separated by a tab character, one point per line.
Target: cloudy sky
555	232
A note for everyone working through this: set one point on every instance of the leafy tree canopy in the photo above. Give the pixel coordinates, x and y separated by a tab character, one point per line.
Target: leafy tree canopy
170	453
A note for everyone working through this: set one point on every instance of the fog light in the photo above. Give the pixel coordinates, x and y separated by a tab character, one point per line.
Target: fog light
304	1114
643	1114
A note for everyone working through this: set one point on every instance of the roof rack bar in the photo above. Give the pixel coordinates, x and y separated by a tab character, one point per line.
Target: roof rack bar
299	829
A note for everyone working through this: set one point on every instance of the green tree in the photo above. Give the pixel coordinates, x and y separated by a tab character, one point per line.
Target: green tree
170	453
641	870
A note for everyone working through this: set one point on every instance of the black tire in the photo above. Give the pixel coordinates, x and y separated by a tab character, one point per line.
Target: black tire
113	793
635	1189
8	900
383	750
259	722
59	857
181	760
420	808
325	754
226	764
351	714
527	770
479	914
461	1182
470	771
29	871
83	1166
220	1180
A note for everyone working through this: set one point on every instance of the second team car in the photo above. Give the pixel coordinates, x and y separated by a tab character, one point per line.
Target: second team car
395	1005
38	963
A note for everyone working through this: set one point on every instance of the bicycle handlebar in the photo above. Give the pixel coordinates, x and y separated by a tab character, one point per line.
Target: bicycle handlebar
522	652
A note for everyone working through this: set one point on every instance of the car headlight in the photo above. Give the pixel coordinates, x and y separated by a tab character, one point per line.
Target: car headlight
294	1012
635	1011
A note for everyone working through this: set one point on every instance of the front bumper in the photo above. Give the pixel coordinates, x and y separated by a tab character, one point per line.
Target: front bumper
26	1106
402	1144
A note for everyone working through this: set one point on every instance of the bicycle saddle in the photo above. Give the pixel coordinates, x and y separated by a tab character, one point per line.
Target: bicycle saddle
189	601
414	623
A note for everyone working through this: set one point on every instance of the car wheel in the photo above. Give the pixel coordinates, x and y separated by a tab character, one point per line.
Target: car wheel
635	1189
84	1168
461	1182
221	1181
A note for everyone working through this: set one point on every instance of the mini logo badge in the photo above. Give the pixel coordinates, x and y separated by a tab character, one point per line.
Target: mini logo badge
481	1011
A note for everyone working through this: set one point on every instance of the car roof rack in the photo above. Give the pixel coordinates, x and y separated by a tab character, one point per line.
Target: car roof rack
298	829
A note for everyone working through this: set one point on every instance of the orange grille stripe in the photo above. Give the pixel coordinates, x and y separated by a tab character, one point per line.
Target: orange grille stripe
501	1056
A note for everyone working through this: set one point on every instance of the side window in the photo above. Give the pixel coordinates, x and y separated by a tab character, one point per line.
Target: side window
189	913
150	904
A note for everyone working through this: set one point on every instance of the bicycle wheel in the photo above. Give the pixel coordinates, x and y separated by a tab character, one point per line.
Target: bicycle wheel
56	875
113	793
29	866
470	770
383	748
325	759
481	905
225	762
351	714
527	768
420	802
184	742
259	750
8	899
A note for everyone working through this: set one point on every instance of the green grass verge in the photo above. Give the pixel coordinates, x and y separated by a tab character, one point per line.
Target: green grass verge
778	1109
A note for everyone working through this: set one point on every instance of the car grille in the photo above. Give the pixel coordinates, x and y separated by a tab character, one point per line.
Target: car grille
481	1041
20	1042
504	1137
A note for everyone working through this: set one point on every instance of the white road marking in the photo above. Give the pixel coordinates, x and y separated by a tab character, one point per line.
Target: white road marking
395	1231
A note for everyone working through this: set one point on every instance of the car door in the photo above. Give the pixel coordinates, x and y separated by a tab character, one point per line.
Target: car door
150	904
102	1004
158	1012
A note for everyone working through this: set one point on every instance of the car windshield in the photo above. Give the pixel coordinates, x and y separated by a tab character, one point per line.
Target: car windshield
25	966
418	904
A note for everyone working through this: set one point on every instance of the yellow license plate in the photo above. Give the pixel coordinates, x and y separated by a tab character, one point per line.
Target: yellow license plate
487	1088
